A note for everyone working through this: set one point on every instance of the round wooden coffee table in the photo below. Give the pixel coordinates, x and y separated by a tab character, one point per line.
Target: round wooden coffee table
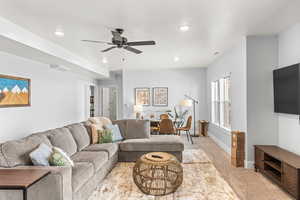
158	173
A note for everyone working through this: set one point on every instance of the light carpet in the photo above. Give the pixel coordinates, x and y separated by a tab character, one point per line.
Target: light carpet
201	181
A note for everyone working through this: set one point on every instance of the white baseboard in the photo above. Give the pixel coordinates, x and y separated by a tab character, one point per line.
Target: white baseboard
220	143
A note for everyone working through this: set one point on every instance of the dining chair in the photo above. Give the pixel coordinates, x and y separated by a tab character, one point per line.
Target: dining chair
164	116
187	129
166	126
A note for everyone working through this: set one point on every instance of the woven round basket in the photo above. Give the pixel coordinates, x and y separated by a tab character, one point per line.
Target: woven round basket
158	173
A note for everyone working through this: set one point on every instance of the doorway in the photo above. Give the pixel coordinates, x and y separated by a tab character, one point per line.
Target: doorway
109	102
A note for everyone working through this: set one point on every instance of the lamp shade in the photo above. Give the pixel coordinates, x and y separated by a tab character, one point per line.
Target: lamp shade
138	108
186	103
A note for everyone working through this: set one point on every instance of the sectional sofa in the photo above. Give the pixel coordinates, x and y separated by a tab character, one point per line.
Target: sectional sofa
92	161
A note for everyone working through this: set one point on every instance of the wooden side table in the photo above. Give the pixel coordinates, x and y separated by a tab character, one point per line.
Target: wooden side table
21	179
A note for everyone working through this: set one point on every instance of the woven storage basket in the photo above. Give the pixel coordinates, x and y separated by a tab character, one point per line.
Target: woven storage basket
158	173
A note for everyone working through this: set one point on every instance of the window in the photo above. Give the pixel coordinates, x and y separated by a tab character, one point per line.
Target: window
220	103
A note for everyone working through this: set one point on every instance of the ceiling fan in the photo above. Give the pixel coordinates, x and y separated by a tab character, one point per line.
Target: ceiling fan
121	42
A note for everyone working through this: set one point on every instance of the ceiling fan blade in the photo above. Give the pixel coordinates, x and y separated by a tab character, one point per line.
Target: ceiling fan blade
140	43
110	48
96	41
128	48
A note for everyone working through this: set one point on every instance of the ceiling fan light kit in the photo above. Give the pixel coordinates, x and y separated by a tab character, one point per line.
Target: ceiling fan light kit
118	41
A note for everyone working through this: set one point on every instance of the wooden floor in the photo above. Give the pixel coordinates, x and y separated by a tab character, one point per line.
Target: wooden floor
247	184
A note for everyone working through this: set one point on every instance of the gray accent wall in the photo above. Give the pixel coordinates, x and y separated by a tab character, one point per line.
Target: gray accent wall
262	122
289	54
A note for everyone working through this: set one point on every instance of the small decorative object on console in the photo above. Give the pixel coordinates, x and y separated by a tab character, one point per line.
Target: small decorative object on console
158	174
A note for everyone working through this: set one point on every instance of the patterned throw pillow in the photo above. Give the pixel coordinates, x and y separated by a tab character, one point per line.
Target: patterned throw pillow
60	158
105	136
57	159
95	128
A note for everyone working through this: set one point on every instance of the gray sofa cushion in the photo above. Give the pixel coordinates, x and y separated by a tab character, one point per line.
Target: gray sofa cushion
82	172
110	148
17	152
154	143
98	159
80	135
87	125
3	162
62	138
138	129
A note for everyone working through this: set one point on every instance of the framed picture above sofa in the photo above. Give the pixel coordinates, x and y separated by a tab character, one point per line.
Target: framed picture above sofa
14	91
160	96
142	96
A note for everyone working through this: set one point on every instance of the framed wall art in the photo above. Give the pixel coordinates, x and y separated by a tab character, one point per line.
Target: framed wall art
160	96
142	96
14	91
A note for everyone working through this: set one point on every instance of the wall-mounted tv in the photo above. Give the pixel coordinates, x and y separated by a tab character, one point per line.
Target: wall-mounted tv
286	90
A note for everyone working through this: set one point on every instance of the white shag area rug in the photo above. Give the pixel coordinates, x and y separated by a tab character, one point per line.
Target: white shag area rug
201	181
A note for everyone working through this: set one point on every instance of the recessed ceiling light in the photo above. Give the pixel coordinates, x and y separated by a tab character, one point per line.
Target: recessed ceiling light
59	33
104	60
184	28
176	59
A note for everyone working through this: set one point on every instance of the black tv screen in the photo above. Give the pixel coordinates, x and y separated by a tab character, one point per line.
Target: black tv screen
286	90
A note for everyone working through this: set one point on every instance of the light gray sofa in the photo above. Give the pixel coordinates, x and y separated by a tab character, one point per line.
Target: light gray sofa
92	161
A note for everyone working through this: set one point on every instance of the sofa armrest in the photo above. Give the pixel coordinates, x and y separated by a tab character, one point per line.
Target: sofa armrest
56	186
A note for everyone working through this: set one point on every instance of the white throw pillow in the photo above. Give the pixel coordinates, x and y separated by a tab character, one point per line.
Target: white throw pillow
116	134
40	156
64	154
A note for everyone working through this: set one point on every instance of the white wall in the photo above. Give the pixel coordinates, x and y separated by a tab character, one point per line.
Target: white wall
262	123
289	53
179	81
57	98
232	62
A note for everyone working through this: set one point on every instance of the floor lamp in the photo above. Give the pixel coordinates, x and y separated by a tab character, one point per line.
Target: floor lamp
194	101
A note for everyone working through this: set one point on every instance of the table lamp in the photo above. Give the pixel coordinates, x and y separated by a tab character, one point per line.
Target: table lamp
186	103
137	110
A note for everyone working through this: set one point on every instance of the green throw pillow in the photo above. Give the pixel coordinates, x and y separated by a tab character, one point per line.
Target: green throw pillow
60	158
105	136
56	159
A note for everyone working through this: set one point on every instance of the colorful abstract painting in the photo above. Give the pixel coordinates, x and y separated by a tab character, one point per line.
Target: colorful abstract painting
160	96
14	91
142	96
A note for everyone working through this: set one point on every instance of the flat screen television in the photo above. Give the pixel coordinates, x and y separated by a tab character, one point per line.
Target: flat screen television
286	90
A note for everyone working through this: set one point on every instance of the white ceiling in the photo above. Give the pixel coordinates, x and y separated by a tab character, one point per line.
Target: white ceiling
215	25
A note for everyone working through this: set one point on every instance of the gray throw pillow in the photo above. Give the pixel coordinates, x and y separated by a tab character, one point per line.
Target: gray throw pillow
40	156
